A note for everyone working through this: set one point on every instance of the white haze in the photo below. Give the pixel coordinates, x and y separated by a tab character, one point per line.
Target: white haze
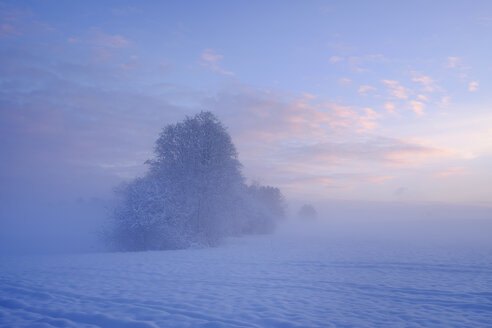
76	226
357	265
52	226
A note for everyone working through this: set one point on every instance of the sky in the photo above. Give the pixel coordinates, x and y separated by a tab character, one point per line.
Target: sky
327	100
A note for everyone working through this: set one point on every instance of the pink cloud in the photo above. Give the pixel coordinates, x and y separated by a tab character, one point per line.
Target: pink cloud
396	90
364	89
390	107
376	149
344	81
380	178
417	106
74	40
473	86
127	67
414	154
274	118
356	63
335	59
103	46
18	21
427	82
444	102
14	22
8	31
102	39
211	60
452	171
453	62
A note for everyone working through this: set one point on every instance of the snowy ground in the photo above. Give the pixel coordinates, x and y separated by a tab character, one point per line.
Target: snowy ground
311	276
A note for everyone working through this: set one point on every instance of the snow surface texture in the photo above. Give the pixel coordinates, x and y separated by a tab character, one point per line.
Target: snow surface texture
311	276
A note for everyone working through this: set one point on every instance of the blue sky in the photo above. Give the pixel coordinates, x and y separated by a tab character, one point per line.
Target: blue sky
356	100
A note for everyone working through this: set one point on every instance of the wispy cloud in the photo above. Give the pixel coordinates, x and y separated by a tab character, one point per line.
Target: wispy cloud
16	22
361	64
457	64
10	19
364	89
96	37
428	84
452	171
344	81
211	60
396	90
103	45
8	31
380	178
101	39
299	180
356	64
271	117
473	86
376	58
390	107
445	101
453	62
384	150
335	59
313	137
485	21
417	106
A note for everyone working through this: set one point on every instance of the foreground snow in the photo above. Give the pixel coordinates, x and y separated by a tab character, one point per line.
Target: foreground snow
312	278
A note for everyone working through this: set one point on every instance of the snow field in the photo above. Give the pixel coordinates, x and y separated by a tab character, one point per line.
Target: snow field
301	277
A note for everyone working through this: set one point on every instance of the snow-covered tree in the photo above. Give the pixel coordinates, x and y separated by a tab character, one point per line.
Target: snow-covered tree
265	206
194	192
307	212
140	214
198	161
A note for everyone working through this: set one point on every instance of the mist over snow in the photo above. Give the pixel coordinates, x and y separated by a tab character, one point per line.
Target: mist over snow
351	271
52	226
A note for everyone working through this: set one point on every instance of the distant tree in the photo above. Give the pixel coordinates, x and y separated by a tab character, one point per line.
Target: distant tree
307	212
193	194
265	206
